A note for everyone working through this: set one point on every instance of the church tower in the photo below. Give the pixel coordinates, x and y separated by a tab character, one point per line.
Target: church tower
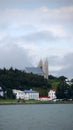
45	69
40	64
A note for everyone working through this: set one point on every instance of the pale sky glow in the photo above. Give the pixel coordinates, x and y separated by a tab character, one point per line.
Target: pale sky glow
31	30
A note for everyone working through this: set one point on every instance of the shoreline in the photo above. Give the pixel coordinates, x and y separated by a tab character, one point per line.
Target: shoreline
14	102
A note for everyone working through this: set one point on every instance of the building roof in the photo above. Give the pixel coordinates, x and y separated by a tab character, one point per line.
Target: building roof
44	97
53	90
34	70
30	91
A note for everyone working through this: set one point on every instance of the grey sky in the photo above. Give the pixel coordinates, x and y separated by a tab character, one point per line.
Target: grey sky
31	30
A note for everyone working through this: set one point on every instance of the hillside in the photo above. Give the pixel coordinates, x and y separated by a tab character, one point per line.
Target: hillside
17	79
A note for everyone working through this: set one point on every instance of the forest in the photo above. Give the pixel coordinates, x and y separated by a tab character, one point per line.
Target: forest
17	79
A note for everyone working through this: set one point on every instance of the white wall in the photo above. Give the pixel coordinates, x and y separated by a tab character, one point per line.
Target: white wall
30	95
19	94
1	92
51	94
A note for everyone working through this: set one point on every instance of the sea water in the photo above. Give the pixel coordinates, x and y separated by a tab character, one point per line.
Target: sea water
36	117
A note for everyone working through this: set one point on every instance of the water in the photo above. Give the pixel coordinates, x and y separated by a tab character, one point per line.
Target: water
36	117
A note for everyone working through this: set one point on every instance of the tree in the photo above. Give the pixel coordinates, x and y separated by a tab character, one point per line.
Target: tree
72	91
62	78
17	79
9	94
63	91
72	80
51	77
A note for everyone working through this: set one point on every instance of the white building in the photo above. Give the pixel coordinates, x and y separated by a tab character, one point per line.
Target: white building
26	94
31	95
51	94
1	92
19	94
68	82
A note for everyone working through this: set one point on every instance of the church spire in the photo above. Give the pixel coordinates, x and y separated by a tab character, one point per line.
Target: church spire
40	64
45	69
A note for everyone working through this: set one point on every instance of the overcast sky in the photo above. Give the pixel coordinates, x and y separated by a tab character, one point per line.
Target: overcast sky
31	30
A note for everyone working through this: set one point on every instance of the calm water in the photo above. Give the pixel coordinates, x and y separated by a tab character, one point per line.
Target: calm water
36	117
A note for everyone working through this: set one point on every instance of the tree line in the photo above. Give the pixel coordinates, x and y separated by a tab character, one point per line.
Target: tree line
17	79
64	90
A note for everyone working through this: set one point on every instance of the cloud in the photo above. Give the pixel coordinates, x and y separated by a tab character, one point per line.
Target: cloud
13	56
26	35
62	65
25	16
40	36
29	3
17	21
63	14
20	22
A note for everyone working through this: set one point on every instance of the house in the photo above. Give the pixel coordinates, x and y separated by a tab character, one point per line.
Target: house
19	94
51	94
69	82
31	95
1	92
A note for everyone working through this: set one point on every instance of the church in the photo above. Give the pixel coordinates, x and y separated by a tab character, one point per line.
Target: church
41	69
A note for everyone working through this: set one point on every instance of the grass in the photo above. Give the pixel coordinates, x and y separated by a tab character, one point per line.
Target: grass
13	101
7	101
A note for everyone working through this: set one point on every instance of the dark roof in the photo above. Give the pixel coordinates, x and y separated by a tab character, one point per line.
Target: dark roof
34	70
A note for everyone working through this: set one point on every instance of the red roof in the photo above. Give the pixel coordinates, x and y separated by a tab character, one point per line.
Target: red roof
52	89
44	97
